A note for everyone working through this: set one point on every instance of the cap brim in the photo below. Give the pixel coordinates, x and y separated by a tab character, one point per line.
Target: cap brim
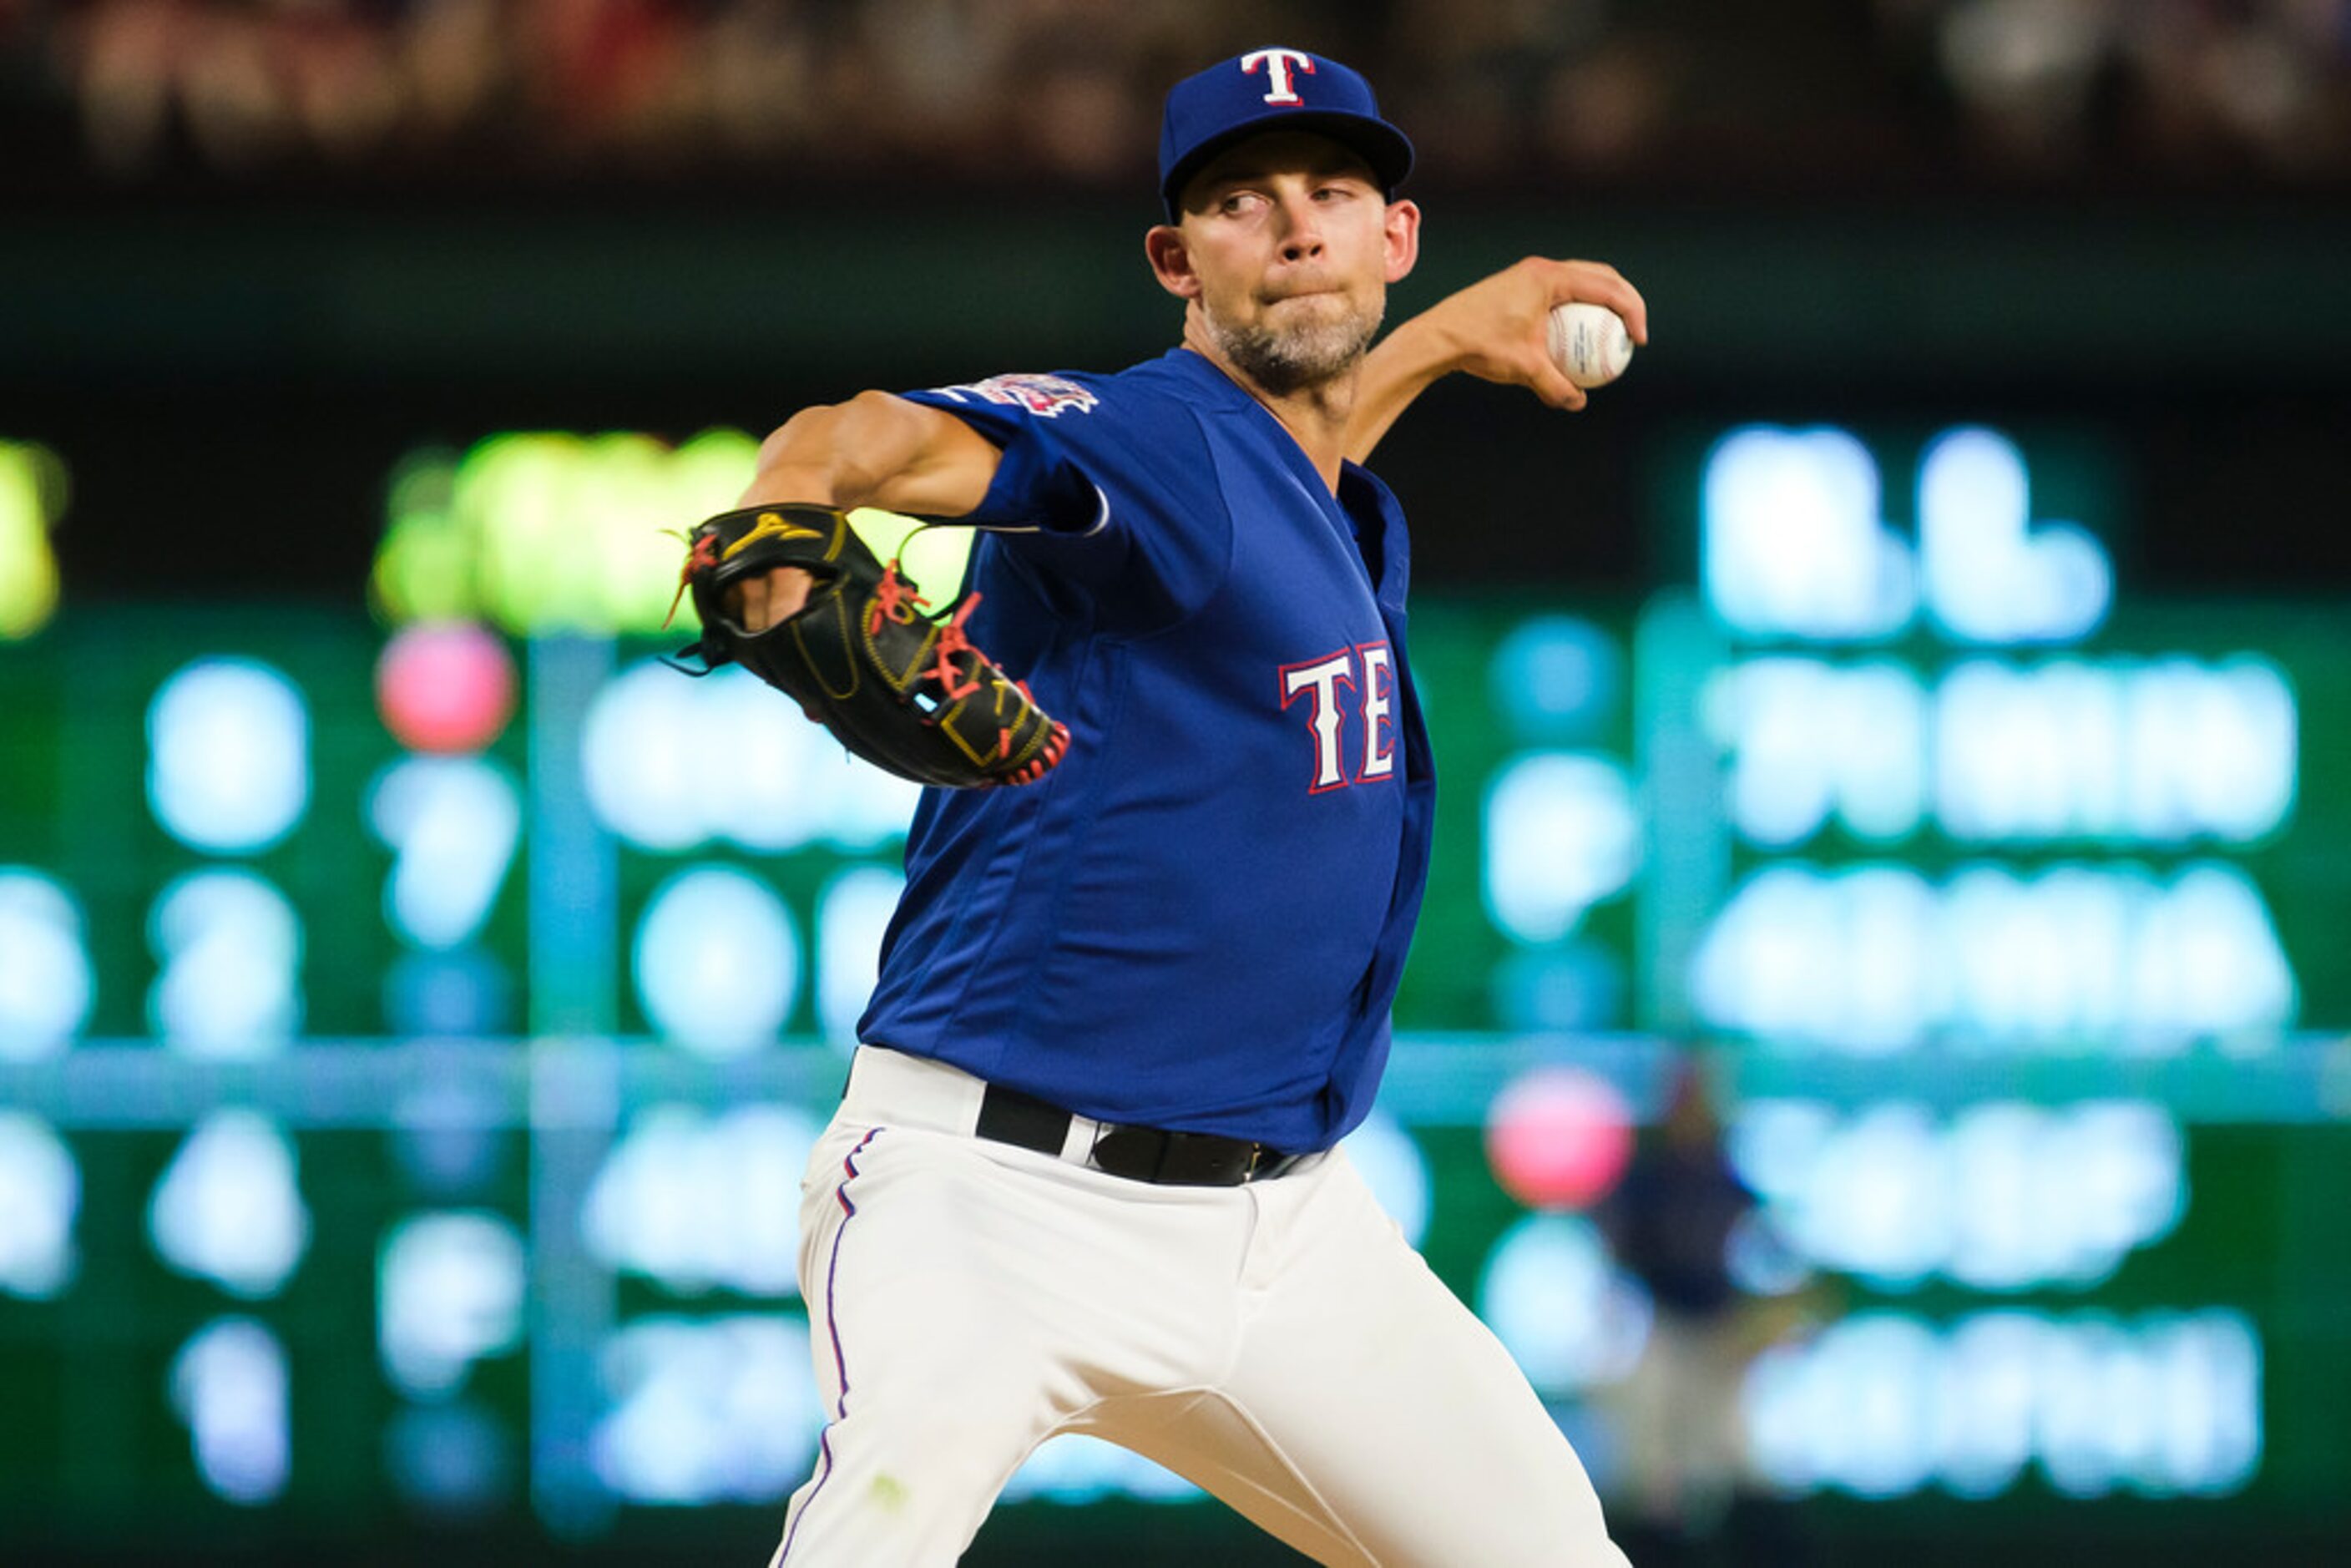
1378	143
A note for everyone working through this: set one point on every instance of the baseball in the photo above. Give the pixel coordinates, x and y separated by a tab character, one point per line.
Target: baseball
1589	343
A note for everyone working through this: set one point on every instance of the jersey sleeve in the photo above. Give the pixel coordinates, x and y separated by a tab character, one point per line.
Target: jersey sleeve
1104	486
1040	486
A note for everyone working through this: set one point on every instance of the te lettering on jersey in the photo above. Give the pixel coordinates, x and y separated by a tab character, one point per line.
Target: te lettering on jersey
1349	701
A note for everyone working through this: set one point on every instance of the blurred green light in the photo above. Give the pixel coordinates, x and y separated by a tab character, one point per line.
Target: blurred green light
546	531
32	496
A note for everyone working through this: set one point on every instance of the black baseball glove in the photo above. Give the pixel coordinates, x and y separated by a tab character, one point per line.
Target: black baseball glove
867	657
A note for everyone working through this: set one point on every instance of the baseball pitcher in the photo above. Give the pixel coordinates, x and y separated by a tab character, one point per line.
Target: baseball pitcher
1084	1176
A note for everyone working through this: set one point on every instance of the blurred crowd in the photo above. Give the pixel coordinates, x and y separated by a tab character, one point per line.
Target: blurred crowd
1498	91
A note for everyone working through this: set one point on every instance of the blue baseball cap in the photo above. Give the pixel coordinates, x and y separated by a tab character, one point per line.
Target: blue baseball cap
1274	89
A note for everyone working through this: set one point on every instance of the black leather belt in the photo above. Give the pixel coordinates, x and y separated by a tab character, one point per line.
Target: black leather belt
1138	1153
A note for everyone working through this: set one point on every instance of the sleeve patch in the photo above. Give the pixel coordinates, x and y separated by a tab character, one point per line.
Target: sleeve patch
1045	396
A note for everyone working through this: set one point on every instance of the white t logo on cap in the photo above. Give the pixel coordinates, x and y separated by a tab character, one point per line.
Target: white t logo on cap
1279	64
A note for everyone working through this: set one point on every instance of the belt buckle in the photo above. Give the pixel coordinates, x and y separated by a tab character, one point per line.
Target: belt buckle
1267	1162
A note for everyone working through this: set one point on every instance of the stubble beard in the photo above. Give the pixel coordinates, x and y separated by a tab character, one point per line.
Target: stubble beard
1286	360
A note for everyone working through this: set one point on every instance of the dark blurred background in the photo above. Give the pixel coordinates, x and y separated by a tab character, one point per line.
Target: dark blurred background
263	247
264	263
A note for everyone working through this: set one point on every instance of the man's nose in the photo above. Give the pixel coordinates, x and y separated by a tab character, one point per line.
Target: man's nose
1302	235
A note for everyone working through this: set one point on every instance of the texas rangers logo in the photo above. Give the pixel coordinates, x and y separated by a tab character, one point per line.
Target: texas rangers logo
1045	396
1278	65
1368	672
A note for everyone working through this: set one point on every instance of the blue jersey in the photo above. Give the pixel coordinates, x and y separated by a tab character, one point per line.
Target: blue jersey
1198	920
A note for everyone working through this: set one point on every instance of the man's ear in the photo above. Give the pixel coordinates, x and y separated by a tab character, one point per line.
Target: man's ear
1171	261
1403	239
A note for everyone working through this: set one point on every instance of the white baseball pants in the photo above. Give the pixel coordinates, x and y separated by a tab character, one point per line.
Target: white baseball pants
1278	1343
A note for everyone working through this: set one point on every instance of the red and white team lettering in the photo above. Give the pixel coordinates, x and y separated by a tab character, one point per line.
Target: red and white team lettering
1368	671
1278	65
1379	708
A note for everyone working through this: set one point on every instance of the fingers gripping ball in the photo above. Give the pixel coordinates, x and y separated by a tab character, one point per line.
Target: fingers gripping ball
1589	343
866	656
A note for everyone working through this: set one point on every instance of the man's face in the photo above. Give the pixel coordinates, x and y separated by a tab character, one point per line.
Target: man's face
1287	247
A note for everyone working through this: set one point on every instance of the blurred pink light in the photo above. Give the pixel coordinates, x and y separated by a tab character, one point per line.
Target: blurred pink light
1559	1137
445	687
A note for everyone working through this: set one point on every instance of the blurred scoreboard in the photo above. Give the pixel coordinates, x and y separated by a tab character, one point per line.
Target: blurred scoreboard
413	1029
